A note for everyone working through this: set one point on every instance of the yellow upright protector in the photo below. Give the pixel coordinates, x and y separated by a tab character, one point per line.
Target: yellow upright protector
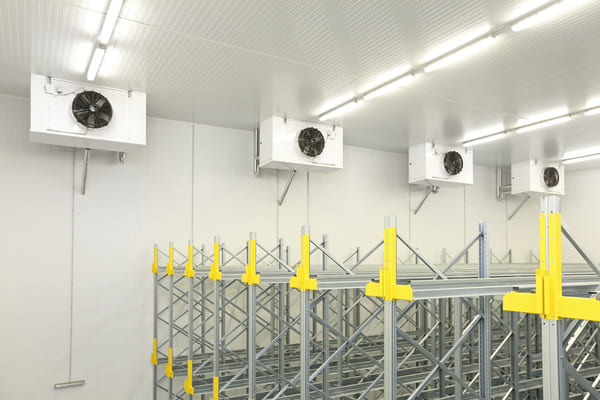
153	358
387	287
189	266
155	262
187	385
251	277
169	366
548	300
302	281
215	395
170	269
214	273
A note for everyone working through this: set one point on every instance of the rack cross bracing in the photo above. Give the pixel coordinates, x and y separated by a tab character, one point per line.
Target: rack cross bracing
248	324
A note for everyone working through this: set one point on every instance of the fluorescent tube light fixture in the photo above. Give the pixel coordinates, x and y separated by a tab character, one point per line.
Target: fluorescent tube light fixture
339	110
460	54
579	159
95	63
546	14
543	124
114	8
485	139
389	86
592	109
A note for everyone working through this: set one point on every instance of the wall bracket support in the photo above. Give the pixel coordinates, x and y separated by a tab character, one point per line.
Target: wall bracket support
430	189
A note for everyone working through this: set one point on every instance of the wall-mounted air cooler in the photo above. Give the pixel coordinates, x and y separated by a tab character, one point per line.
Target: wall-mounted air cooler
437	165
300	145
537	178
81	115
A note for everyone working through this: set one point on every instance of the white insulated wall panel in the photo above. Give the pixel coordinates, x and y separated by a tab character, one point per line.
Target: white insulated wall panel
229	200
126	209
350	205
35	215
481	206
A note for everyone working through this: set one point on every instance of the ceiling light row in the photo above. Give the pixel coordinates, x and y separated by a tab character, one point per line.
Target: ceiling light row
465	46
110	20
530	126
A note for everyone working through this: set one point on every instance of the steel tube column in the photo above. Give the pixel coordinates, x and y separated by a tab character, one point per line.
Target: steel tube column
555	387
305	296
485	327
390	341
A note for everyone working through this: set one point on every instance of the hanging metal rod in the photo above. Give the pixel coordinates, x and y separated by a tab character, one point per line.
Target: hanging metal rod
86	157
287	187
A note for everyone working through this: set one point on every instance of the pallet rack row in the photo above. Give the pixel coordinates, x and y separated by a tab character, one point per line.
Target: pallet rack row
248	324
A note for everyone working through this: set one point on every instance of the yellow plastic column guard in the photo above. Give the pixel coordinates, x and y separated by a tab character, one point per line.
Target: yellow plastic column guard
548	300
155	263
170	269
302	280
215	395
251	277
169	366
187	385
214	273
387	287
189	266
153	358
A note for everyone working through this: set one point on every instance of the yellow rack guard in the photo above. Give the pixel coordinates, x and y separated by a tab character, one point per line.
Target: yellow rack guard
187	385
169	366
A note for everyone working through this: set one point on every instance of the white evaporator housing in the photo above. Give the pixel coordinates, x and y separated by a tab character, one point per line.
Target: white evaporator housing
438	165
537	178
57	118
300	145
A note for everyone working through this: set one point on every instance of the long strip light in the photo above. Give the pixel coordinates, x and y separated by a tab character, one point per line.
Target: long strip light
544	122
485	139
550	11
530	18
110	20
95	63
114	9
349	105
460	54
588	157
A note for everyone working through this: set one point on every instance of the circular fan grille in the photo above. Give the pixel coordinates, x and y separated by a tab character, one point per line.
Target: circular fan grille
551	177
453	163
91	109
311	141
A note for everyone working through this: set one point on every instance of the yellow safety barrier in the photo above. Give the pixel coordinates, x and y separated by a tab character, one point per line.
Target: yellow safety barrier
387	287
302	280
189	266
548	300
169	366
154	358
214	273
170	269
251	277
215	395
155	263
187	385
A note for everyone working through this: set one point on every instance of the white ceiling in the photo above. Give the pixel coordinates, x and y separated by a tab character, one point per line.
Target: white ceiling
232	63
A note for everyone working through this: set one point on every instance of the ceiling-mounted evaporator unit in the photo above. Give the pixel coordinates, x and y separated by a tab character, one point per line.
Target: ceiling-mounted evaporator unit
300	145
81	115
537	178
437	165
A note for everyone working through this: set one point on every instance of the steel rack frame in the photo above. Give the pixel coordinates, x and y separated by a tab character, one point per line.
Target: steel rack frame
248	324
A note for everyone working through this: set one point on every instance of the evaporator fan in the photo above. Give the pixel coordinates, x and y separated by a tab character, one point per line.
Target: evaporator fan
311	141
91	109
453	163
551	177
